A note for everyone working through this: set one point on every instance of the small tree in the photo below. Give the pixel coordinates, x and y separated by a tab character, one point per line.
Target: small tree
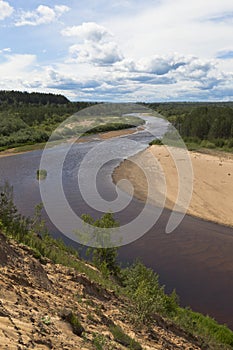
104	258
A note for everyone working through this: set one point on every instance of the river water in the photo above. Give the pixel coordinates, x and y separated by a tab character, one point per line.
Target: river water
196	259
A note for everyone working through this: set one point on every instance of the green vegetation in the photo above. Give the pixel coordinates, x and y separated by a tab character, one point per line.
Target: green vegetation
30	118
123	339
142	286
75	323
73	319
104	258
137	283
156	142
41	174
112	127
99	341
202	125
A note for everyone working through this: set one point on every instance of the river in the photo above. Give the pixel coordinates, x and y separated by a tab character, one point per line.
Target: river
196	259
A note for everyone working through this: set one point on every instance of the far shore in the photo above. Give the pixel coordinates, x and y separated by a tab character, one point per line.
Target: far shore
212	197
101	136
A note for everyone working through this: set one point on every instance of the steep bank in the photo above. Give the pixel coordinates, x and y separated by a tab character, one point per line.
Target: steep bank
49	306
212	188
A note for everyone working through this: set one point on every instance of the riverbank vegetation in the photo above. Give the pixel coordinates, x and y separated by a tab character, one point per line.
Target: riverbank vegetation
201	125
149	302
27	119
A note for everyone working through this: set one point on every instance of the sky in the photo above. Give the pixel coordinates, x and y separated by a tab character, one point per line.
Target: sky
118	50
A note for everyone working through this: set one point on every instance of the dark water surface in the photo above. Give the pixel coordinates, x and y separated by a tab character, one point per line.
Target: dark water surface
196	259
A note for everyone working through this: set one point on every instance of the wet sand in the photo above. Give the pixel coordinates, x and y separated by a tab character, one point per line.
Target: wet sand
212	197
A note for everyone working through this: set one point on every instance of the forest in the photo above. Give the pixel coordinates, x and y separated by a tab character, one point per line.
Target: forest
29	118
208	125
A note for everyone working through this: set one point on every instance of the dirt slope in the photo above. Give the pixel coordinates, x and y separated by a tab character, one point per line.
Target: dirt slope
36	301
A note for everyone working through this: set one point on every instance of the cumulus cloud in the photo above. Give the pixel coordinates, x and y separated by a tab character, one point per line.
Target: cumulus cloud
16	65
106	53
87	31
68	82
42	15
5	9
96	45
158	65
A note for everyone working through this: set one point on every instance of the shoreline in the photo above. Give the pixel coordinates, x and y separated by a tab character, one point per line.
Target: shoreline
212	191
39	146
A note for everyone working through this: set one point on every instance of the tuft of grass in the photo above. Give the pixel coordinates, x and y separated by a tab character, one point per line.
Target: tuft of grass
99	341
123	339
75	323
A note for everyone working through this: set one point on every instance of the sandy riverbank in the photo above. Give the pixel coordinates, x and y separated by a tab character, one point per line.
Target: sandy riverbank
212	197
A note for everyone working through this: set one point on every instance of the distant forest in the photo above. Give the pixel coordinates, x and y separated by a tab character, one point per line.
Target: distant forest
29	118
206	124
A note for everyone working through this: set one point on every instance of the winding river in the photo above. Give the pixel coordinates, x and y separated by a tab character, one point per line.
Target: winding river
196	259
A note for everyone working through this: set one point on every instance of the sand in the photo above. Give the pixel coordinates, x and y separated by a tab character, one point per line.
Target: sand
212	196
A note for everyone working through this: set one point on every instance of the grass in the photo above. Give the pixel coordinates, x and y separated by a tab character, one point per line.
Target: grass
122	338
205	327
99	341
73	319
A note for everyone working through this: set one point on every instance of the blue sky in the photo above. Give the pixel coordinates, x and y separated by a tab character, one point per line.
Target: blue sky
122	51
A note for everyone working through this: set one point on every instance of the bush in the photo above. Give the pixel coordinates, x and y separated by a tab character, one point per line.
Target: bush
230	143
219	143
142	286
104	258
207	144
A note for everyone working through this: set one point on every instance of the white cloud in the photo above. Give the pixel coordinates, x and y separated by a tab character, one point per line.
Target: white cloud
6	49
129	58
5	9
96	45
95	53
87	31
42	15
16	65
174	26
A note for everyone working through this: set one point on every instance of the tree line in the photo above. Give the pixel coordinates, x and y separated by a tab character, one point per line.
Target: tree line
28	118
207	124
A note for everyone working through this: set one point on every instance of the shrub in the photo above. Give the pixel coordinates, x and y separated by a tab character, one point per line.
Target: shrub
207	144
230	143
142	286
219	143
